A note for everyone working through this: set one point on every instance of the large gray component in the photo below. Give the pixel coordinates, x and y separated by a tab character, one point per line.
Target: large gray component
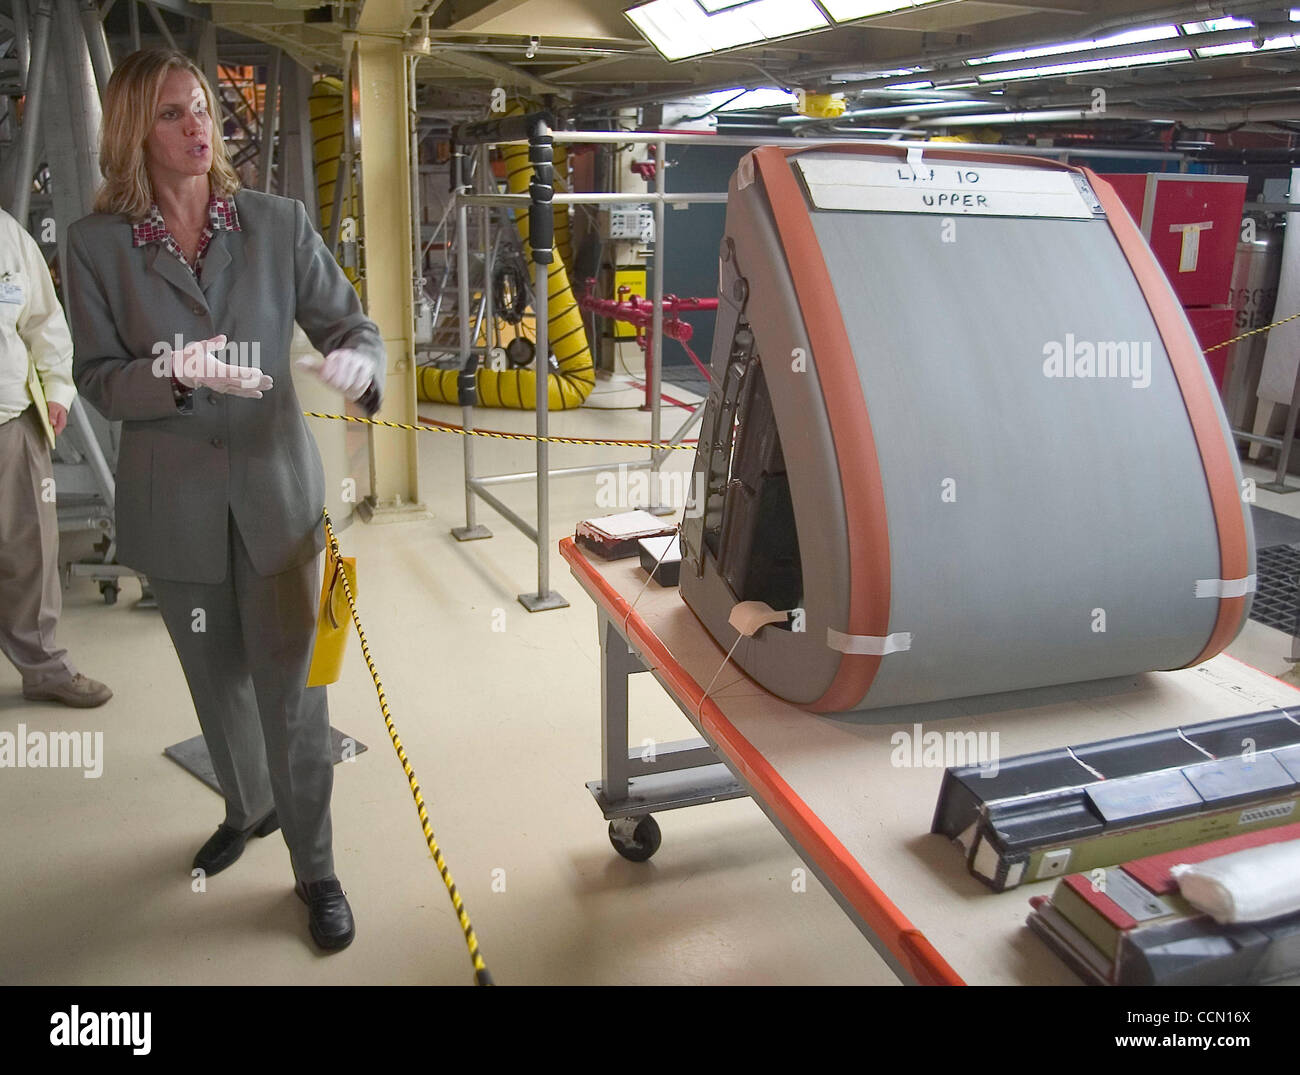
1041	529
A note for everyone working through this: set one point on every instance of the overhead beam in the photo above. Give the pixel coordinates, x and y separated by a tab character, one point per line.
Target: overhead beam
503	73
579	19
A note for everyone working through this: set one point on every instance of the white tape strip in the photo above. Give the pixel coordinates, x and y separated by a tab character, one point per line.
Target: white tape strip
1225	587
915	156
745	171
868	645
1194	746
1090	769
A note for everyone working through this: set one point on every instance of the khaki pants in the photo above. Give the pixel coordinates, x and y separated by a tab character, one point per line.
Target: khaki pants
30	594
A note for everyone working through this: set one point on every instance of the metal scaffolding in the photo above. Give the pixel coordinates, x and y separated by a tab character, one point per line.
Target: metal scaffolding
536	130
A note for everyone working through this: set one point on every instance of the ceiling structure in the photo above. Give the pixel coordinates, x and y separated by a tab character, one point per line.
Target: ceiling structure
937	66
1177	59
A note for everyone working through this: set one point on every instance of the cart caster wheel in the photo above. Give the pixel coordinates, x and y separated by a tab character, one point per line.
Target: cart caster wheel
635	838
109	591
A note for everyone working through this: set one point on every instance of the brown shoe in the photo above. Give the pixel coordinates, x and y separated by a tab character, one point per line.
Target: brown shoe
78	691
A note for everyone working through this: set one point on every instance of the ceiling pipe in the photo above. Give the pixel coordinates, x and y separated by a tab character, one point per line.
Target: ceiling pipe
896	93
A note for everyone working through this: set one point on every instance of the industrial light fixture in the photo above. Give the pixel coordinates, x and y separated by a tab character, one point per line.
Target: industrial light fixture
1090	65
681	29
1190	30
1129	37
847	10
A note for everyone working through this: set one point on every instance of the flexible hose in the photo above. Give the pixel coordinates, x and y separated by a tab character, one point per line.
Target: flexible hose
567	335
326	107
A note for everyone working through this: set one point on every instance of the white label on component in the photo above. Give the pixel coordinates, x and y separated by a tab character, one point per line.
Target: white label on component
636	223
1053	863
1224	587
865	185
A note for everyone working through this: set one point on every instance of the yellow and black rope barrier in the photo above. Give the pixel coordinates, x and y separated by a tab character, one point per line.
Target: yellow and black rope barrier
481	974
500	435
1252	332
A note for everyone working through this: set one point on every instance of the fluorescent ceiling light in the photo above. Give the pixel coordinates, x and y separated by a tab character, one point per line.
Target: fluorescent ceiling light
1151	33
1287	41
1090	65
680	29
763	97
1230	23
683	28
846	10
740	99
1226	50
863	76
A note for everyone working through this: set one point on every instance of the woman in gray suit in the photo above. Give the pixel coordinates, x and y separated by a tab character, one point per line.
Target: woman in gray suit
182	293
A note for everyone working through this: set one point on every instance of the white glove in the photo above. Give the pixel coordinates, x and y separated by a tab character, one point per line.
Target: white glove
196	367
346	369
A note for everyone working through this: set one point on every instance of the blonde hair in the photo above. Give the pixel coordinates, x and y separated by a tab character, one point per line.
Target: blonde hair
130	107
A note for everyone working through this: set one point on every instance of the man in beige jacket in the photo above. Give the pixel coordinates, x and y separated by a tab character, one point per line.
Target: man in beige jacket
36	391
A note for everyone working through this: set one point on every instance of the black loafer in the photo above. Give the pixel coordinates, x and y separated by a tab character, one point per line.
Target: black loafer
330	917
227	844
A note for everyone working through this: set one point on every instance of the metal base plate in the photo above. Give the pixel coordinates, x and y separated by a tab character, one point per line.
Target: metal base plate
1278	487
470	533
192	755
542	602
670	791
373	511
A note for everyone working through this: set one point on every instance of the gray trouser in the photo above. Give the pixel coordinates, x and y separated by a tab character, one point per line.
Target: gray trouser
245	644
30	596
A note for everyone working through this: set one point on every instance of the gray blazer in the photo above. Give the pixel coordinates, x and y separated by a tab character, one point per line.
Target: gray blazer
182	473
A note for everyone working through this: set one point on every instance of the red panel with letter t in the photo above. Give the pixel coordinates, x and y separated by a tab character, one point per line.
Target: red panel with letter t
1193	225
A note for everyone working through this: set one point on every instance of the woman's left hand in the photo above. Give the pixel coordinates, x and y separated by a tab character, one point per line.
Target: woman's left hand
346	369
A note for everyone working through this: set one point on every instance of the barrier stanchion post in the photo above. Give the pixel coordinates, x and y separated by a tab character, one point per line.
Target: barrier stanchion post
467	382
541	237
655	358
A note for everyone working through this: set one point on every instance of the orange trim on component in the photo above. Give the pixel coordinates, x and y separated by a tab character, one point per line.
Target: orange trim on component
846	409
881	916
1185	358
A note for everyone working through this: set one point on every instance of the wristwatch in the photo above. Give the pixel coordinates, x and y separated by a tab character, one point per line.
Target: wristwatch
369	400
183	396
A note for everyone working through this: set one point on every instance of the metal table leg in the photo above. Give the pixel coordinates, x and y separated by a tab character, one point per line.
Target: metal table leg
635	782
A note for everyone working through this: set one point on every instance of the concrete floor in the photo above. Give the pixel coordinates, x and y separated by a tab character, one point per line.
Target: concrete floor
502	729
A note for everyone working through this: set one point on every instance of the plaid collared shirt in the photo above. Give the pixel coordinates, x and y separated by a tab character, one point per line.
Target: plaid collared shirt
222	216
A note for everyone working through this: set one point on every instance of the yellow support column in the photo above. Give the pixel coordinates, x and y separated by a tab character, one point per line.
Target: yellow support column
385	168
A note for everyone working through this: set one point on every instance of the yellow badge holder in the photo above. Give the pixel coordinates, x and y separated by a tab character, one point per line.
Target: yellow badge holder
332	620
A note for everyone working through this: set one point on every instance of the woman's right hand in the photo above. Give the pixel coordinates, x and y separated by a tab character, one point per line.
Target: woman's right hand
195	367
